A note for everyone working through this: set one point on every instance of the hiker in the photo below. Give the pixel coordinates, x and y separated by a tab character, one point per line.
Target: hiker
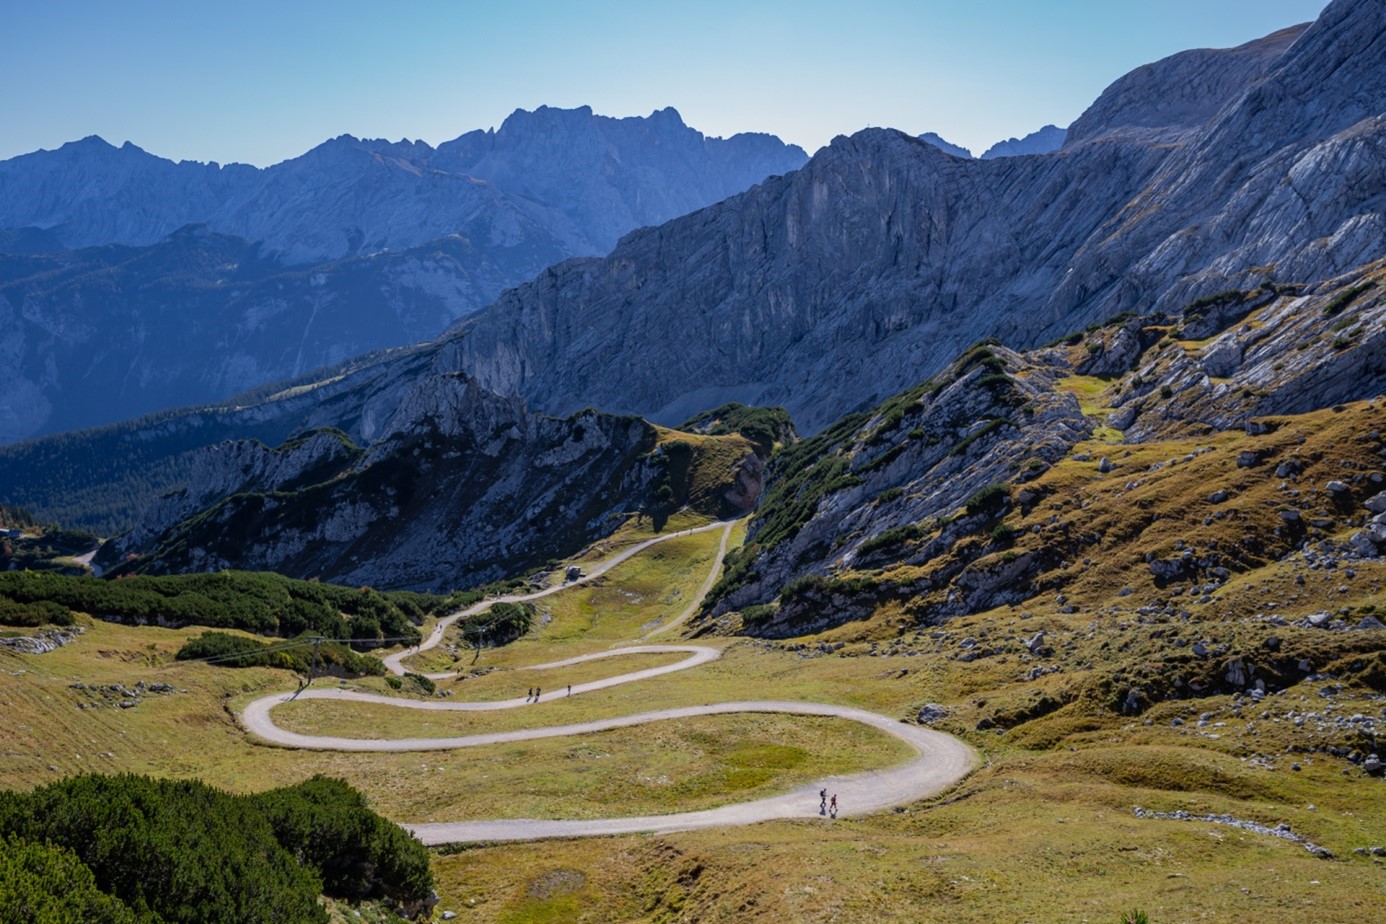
530	695
823	801
536	694
832	806
570	689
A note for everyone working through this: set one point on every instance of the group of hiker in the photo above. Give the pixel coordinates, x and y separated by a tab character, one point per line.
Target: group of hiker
827	806
533	695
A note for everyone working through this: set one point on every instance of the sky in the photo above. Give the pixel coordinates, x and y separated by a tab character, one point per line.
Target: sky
258	82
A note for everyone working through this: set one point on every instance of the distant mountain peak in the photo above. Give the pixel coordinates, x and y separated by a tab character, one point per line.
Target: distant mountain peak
1044	141
946	147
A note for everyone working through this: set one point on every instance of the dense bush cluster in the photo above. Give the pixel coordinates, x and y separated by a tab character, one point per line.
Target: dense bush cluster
265	603
763	426
239	651
133	849
33	615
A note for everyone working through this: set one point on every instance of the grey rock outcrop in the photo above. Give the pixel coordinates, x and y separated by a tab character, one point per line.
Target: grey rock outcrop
464	487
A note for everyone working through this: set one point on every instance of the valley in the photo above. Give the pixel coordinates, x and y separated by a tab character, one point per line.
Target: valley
617	523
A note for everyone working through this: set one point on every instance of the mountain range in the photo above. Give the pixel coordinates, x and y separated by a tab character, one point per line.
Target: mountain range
1230	200
130	283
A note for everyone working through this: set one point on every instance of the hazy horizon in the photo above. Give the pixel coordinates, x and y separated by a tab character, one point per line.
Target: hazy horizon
258	84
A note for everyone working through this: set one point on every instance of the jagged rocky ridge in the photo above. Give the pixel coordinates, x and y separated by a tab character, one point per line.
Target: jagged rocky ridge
1042	141
833	287
552	177
413	238
464	487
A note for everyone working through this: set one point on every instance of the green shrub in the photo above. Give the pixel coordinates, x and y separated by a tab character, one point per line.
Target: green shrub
1345	298
226	650
48	884
988	500
757	614
182	852
33	615
260	602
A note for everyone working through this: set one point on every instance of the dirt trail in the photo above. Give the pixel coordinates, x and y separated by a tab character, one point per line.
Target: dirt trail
941	760
395	662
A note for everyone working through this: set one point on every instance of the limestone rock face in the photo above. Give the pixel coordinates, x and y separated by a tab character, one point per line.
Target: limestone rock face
946	147
922	456
833	287
1179	94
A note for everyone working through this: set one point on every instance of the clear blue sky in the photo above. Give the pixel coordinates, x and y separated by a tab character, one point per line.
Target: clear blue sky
258	82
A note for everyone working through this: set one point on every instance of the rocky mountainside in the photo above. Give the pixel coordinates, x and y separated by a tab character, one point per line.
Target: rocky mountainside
552	177
1046	140
160	315
884	259
464	487
833	287
1229	431
106	333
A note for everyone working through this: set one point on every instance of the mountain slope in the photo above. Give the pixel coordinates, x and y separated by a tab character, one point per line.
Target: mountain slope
464	487
107	333
833	287
942	493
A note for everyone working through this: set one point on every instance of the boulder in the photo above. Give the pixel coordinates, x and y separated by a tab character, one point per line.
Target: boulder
932	713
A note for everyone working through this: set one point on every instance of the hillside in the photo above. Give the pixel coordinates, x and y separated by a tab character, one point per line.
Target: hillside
465	487
939	495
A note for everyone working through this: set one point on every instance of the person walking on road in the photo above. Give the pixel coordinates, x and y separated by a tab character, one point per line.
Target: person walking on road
832	806
823	801
536	694
570	689
530	695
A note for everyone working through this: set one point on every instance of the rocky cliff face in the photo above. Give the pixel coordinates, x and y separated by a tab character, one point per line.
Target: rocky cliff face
833	287
553	177
946	147
1177	95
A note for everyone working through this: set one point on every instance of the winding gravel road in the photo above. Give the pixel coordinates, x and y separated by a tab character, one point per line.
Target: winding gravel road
395	662
941	760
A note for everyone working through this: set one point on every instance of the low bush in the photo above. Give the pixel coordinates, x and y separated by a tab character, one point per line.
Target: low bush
182	852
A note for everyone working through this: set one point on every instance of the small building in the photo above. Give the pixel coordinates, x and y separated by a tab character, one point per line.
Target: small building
573	573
